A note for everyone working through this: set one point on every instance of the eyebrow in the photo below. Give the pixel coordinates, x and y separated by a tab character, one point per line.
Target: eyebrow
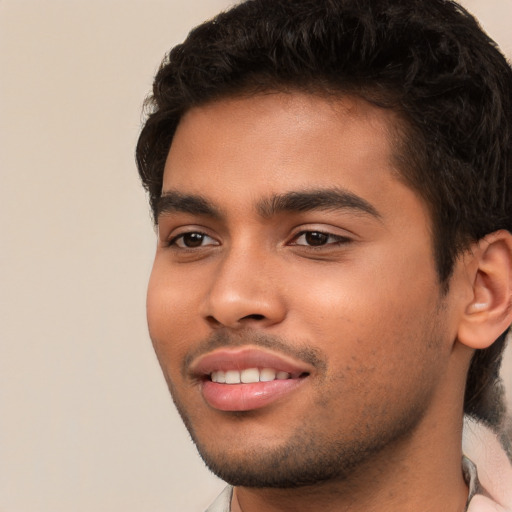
331	199
176	202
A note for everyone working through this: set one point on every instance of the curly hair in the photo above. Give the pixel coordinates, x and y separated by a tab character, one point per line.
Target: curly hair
428	61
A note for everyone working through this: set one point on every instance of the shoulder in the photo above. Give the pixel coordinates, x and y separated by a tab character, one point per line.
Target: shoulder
481	503
482	446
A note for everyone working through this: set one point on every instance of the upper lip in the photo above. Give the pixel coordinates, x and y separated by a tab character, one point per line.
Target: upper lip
246	357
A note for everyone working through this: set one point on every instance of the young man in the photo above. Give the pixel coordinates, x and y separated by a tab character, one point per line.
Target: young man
332	287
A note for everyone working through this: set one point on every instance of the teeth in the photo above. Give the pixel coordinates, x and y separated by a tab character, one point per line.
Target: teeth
232	377
248	376
267	374
220	377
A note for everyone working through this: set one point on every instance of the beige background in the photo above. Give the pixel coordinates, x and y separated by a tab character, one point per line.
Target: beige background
85	418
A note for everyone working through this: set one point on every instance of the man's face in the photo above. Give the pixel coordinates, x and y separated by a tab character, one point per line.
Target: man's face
292	257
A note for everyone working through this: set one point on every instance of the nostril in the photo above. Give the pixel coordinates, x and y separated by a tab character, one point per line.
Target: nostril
235	322
212	320
253	317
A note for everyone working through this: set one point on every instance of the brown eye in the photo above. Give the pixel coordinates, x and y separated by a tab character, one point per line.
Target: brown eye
319	239
315	238
192	240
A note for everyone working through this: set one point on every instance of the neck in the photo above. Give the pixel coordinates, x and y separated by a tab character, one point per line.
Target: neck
422	472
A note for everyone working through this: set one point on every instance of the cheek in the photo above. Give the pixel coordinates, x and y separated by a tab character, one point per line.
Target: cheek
383	346
169	310
366	308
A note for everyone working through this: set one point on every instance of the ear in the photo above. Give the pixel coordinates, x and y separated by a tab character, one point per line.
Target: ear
489	312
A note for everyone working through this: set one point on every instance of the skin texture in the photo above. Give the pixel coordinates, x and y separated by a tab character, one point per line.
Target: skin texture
363	310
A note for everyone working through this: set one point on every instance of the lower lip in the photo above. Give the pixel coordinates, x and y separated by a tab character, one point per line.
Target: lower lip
247	397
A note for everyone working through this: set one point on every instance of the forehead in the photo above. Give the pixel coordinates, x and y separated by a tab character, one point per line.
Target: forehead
246	148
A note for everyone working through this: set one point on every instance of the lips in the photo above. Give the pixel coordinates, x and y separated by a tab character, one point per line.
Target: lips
247	379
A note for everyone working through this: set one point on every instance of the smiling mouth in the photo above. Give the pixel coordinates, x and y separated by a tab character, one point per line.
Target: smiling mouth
252	376
247	378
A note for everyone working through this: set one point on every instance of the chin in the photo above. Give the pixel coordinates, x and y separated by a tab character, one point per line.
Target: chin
307	458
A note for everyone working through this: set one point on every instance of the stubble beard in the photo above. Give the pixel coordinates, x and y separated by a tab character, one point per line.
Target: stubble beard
308	457
311	455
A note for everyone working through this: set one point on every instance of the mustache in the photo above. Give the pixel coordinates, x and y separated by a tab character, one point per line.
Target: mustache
247	337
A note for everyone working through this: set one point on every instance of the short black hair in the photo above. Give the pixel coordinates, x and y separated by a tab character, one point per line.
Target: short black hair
427	60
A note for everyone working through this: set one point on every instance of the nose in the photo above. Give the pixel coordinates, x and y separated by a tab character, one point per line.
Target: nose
244	292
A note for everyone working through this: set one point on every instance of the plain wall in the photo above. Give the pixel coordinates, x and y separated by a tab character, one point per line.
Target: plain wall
86	422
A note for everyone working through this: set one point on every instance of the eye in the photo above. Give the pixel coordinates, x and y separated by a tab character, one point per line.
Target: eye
192	240
318	239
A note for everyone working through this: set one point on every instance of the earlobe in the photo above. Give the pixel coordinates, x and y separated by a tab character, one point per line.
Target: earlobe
489	312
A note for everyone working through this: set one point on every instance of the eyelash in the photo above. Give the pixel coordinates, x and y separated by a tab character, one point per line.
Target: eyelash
338	239
173	242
